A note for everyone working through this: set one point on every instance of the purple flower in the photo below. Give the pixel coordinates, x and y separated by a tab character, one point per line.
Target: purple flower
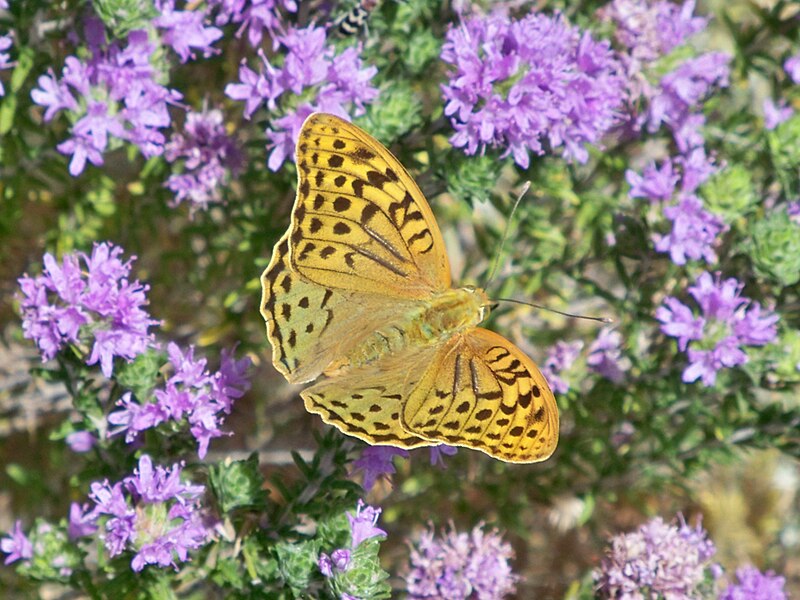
715	339
255	16
339	560
694	229
376	462
681	92
5	58
284	134
650	30
655	184
605	356
307	58
120	98
255	88
694	232
65	306
653	29
185	29
658	184
326	81
656	560
54	95
522	84
191	393
461	565
363	525
697	167
80	441
81	150
151	513
775	114
560	358
16	545
82	522
793	210
348	82
439	452
754	585
792	67
210	159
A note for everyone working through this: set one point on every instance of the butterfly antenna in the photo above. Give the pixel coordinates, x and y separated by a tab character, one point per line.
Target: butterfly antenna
499	254
553	310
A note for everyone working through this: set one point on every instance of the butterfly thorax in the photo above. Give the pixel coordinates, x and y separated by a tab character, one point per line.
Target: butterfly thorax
445	314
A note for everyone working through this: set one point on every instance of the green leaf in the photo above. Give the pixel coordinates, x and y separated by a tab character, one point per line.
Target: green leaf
141	375
238	484
775	247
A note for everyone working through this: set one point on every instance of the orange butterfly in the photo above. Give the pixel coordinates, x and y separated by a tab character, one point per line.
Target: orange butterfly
358	298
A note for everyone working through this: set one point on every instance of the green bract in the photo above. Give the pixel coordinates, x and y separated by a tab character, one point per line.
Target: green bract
775	247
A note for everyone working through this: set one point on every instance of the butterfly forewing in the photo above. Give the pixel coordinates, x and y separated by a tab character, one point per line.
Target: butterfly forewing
311	326
360	223
483	392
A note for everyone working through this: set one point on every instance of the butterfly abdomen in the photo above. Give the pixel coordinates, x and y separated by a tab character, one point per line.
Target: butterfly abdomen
443	316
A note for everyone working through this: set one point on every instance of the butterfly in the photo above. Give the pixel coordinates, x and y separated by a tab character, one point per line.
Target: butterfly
358	299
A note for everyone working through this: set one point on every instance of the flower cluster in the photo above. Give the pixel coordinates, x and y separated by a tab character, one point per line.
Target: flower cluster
656	560
336	81
255	16
5	58
755	585
728	322
605	356
191	393
681	92
695	231
101	306
16	545
151	513
650	30
115	95
529	85
560	357
461	565
363	526
112	97
46	552
210	159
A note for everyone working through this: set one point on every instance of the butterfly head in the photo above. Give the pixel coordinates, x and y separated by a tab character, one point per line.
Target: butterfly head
481	301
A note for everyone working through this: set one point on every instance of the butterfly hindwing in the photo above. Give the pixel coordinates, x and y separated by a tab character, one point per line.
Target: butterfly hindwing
483	392
360	222
367	402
